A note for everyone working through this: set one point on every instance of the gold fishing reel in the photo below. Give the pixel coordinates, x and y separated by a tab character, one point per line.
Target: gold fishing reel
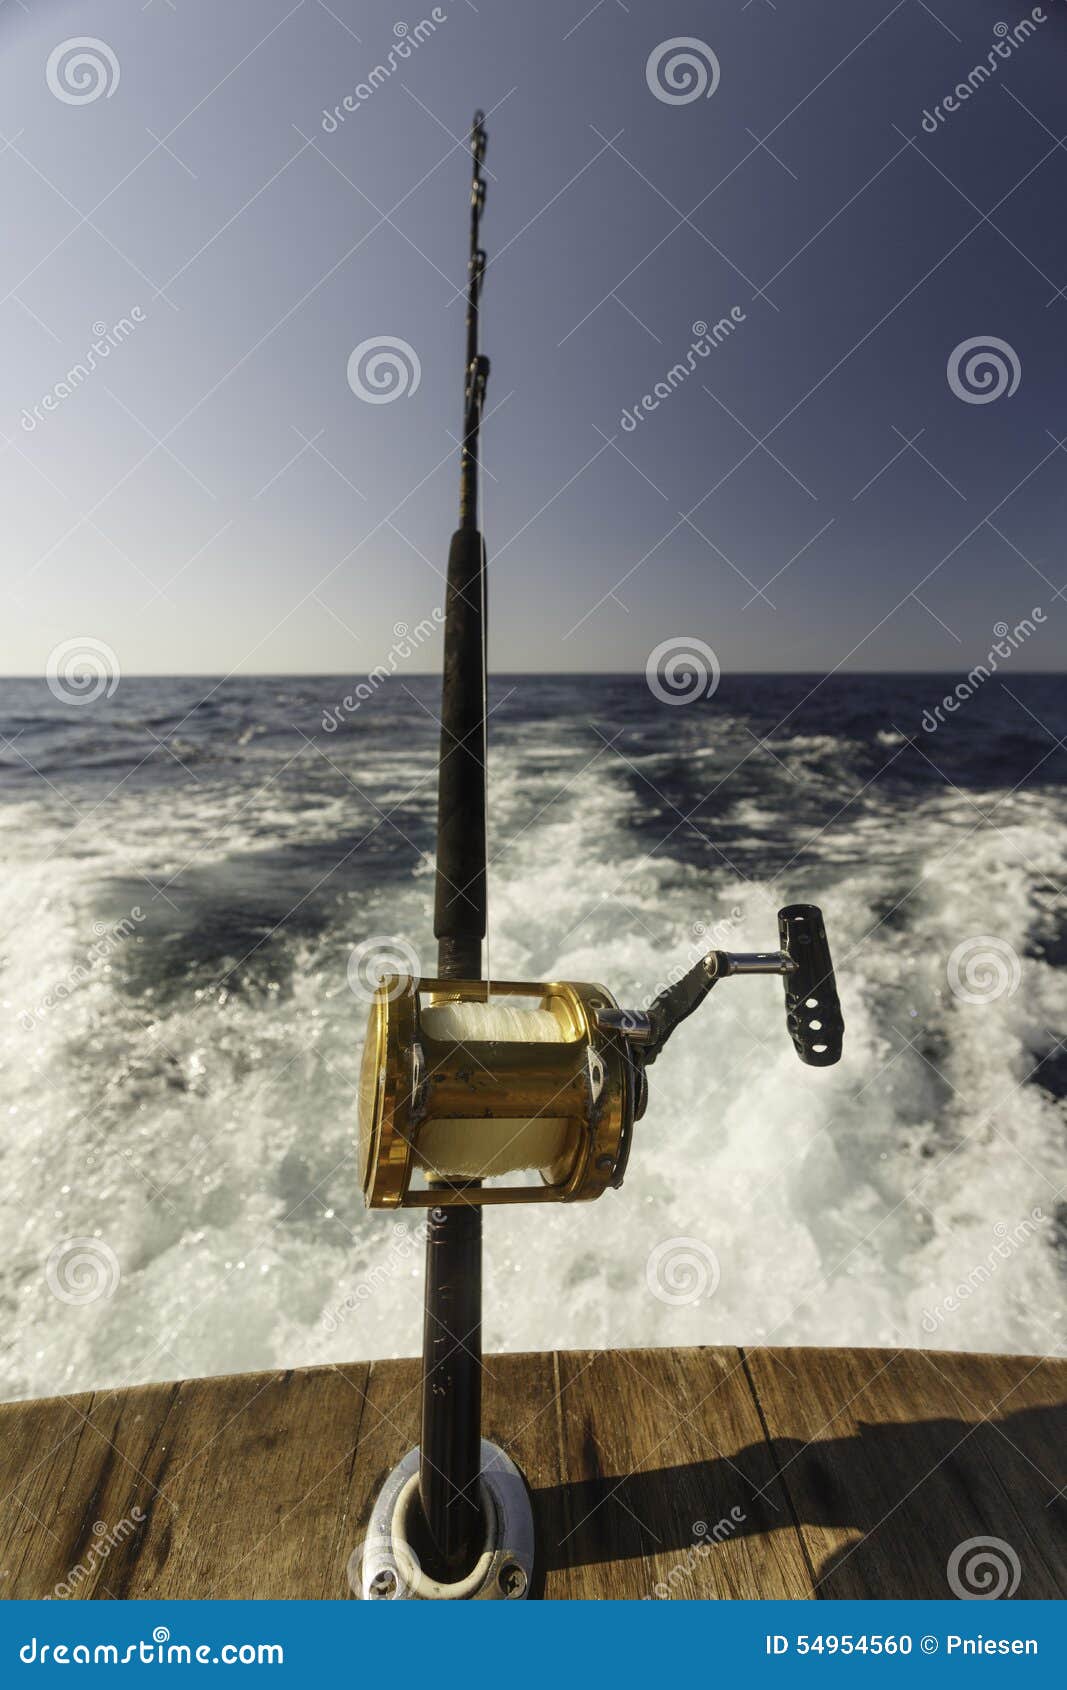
462	1083
458	1089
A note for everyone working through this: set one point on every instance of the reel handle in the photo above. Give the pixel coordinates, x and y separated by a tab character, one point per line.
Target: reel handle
812	1006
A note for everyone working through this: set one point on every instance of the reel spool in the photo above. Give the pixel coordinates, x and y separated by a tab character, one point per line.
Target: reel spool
464	1089
461	1088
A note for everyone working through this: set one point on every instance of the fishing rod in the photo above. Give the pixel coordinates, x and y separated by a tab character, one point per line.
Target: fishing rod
454	1481
450	1451
463	1084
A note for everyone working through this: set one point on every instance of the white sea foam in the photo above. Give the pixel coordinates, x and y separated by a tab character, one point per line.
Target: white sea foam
205	1134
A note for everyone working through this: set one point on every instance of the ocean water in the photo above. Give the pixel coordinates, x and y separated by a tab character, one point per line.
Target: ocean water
188	868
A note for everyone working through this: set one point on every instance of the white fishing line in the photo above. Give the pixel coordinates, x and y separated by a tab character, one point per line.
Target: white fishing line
485	714
464	1023
480	1148
465	1149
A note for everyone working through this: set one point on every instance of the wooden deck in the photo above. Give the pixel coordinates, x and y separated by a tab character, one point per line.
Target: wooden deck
838	1473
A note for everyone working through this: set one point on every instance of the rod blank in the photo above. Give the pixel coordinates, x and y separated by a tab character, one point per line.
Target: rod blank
450	1447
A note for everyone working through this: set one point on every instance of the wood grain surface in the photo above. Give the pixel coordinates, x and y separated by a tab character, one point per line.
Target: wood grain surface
654	1473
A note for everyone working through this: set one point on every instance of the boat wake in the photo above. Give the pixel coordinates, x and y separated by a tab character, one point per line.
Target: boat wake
181	1028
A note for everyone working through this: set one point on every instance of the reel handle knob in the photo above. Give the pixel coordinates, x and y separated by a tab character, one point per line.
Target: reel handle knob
812	1006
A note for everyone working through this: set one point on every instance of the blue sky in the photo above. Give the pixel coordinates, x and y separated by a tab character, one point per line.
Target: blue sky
213	496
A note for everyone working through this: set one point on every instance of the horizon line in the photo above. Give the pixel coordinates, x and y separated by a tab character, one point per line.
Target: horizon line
533	674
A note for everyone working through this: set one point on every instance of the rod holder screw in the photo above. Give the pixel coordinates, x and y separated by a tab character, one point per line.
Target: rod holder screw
512	1579
383	1584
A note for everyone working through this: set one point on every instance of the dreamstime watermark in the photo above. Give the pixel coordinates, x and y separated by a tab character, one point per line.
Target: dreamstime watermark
407	642
1008	39
704	1536
682	1271
82	1270
705	938
681	70
160	1651
82	70
375	958
103	344
81	670
405	1241
384	368
983	369
1009	1242
982	969
107	941
1008	641
405	44
983	1569
105	1540
706	340
681	669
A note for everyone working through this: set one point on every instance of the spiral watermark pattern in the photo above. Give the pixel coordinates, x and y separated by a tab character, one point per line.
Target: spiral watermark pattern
681	70
81	670
982	969
374	958
681	1271
82	1270
982	369
983	1569
82	70
681	670
384	368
